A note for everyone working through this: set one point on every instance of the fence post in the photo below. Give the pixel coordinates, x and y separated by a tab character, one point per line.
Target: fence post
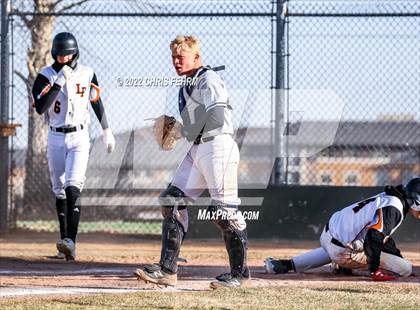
278	176
4	118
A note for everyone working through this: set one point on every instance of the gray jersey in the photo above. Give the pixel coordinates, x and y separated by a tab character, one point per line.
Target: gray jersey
208	91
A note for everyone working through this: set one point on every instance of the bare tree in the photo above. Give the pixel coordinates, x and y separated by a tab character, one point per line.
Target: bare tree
40	22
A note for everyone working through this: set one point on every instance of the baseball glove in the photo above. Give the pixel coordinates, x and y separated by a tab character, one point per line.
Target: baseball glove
165	132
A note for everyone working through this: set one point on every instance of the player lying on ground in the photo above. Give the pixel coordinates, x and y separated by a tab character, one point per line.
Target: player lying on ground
212	162
63	93
359	236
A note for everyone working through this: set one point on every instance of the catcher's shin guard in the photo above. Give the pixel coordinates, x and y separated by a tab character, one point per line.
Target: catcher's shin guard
174	227
61	207
73	211
236	241
172	236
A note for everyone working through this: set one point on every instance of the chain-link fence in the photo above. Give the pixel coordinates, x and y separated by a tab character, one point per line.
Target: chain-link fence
354	63
348	105
126	42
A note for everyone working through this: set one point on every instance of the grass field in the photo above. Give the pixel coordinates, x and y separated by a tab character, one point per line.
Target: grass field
315	296
102	278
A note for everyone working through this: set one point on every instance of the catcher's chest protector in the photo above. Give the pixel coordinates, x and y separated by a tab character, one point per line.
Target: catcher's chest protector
207	91
189	102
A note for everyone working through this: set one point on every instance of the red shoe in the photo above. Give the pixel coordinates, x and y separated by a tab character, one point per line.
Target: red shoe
378	275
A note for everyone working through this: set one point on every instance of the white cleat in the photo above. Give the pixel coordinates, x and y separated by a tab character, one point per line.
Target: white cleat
68	248
60	244
269	267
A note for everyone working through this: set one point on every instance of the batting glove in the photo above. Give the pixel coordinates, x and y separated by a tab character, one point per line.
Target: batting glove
109	140
63	75
378	275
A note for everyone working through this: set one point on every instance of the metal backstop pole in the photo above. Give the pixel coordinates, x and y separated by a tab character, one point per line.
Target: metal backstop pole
278	171
4	118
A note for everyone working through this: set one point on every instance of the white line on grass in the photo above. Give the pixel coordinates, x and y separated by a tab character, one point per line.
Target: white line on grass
27	291
67	272
15	292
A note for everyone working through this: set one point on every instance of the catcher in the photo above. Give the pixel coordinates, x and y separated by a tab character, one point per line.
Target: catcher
212	162
359	236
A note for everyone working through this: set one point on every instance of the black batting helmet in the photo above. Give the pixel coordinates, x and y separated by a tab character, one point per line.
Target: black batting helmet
412	193
65	43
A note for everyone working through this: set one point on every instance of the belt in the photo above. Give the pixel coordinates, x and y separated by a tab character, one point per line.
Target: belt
66	129
333	240
200	140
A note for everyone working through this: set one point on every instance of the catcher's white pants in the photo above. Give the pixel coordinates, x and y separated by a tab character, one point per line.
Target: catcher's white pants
68	156
212	165
349	258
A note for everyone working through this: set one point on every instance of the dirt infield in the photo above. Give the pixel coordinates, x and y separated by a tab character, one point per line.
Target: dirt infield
105	264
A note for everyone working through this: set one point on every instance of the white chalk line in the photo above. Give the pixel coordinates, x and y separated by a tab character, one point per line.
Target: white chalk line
15	292
93	271
26	291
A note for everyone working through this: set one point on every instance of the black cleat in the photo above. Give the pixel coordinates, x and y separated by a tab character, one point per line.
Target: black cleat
229	280
154	274
276	266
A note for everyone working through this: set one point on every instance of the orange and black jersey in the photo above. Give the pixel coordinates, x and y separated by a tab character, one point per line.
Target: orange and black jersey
44	95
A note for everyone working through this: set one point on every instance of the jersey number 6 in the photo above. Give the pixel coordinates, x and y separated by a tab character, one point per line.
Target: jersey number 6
57	105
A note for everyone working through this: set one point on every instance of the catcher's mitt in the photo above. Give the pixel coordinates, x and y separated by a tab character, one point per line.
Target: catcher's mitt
164	132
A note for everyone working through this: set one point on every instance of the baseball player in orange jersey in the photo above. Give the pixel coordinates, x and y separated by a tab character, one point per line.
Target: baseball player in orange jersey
212	163
359	236
63	92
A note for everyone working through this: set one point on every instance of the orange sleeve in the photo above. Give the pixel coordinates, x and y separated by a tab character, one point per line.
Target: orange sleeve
380	224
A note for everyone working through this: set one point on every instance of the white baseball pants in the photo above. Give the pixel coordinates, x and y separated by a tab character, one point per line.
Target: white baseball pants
349	258
212	165
68	155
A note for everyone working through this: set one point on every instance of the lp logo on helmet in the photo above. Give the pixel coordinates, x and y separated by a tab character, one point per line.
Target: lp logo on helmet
80	90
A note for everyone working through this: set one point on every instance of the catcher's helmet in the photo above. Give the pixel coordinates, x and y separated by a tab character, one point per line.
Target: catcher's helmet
412	193
65	43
